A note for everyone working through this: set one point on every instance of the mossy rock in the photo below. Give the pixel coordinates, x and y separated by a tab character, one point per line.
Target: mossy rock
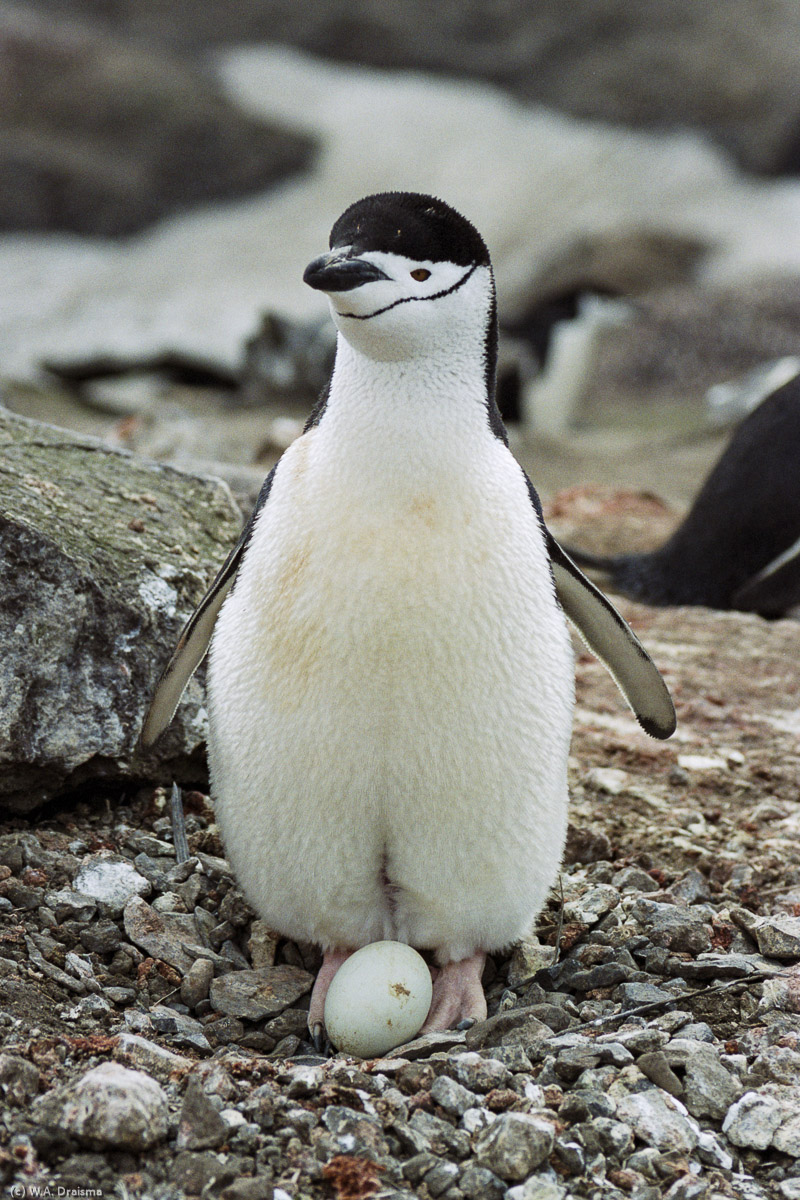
103	556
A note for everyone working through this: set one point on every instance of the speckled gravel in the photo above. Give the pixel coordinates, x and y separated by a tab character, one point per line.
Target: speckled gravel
155	1036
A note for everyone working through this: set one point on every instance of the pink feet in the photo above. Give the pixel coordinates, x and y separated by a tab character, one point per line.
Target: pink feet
331	961
457	994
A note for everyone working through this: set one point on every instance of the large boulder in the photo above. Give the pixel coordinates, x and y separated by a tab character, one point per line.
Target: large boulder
102	558
99	135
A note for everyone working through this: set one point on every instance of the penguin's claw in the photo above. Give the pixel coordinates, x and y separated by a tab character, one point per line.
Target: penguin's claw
331	961
457	995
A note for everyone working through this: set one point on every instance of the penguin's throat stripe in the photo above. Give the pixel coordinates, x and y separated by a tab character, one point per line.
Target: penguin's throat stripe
407	299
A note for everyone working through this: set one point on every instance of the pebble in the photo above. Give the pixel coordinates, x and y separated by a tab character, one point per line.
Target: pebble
109	1106
200	1126
171	937
261	993
110	881
658	1120
196	983
752	1120
515	1145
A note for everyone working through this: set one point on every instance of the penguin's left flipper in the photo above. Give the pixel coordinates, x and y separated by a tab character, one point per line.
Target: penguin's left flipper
196	635
775	589
611	639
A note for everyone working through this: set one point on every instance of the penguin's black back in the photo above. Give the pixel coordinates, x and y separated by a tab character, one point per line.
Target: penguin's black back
746	514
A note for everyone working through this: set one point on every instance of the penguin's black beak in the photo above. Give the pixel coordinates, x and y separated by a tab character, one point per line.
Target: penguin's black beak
334	273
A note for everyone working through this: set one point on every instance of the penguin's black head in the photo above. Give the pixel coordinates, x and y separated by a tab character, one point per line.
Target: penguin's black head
406	274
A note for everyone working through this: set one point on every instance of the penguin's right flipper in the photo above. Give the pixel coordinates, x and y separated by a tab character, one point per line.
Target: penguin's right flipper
775	589
612	640
196	635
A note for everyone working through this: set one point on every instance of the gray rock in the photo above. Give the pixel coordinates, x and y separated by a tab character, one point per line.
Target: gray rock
673	926
440	1136
110	1106
200	1126
19	1080
479	1183
196	982
752	1120
111	881
262	993
655	1066
183	1030
69	906
478	1073
634	879
709	1090
632	995
147	1056
537	1188
102	558
658	1120
452	1097
355	1132
778	936
173	937
514	1145
440	1177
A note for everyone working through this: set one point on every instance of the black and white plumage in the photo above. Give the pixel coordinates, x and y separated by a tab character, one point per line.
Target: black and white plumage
739	545
391	677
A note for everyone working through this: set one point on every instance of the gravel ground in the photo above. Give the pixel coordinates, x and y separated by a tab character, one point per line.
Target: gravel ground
153	1036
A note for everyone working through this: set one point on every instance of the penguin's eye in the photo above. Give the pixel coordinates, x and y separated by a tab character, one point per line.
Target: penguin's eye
420	274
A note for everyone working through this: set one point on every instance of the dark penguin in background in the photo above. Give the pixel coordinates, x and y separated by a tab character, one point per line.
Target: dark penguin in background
739	546
391	677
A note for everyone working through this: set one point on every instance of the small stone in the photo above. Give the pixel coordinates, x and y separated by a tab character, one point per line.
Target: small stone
702	762
149	1056
656	1067
538	1187
592	905
262	944
440	1177
101	937
657	1120
752	1120
787	1137
452	1096
514	1145
110	881
779	936
355	1132
479	1183
692	888
440	1136
200	1126
196	982
610	780
631	995
172	937
256	994
70	906
676	927
254	1187
184	1030
634	879
416	1167
528	958
19	1080
110	1106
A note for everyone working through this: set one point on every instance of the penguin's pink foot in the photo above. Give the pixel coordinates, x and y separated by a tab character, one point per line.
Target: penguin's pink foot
457	994
331	961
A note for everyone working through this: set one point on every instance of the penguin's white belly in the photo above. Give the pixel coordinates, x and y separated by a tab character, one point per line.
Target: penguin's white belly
390	694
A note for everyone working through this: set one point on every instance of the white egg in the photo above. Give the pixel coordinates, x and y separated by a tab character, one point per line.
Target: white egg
378	999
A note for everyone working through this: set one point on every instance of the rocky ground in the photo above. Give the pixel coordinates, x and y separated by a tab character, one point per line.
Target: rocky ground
153	1036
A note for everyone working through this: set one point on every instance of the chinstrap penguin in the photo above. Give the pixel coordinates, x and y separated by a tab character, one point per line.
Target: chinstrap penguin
739	545
390	684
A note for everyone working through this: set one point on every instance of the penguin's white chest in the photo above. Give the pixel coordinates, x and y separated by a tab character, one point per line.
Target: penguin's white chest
390	697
